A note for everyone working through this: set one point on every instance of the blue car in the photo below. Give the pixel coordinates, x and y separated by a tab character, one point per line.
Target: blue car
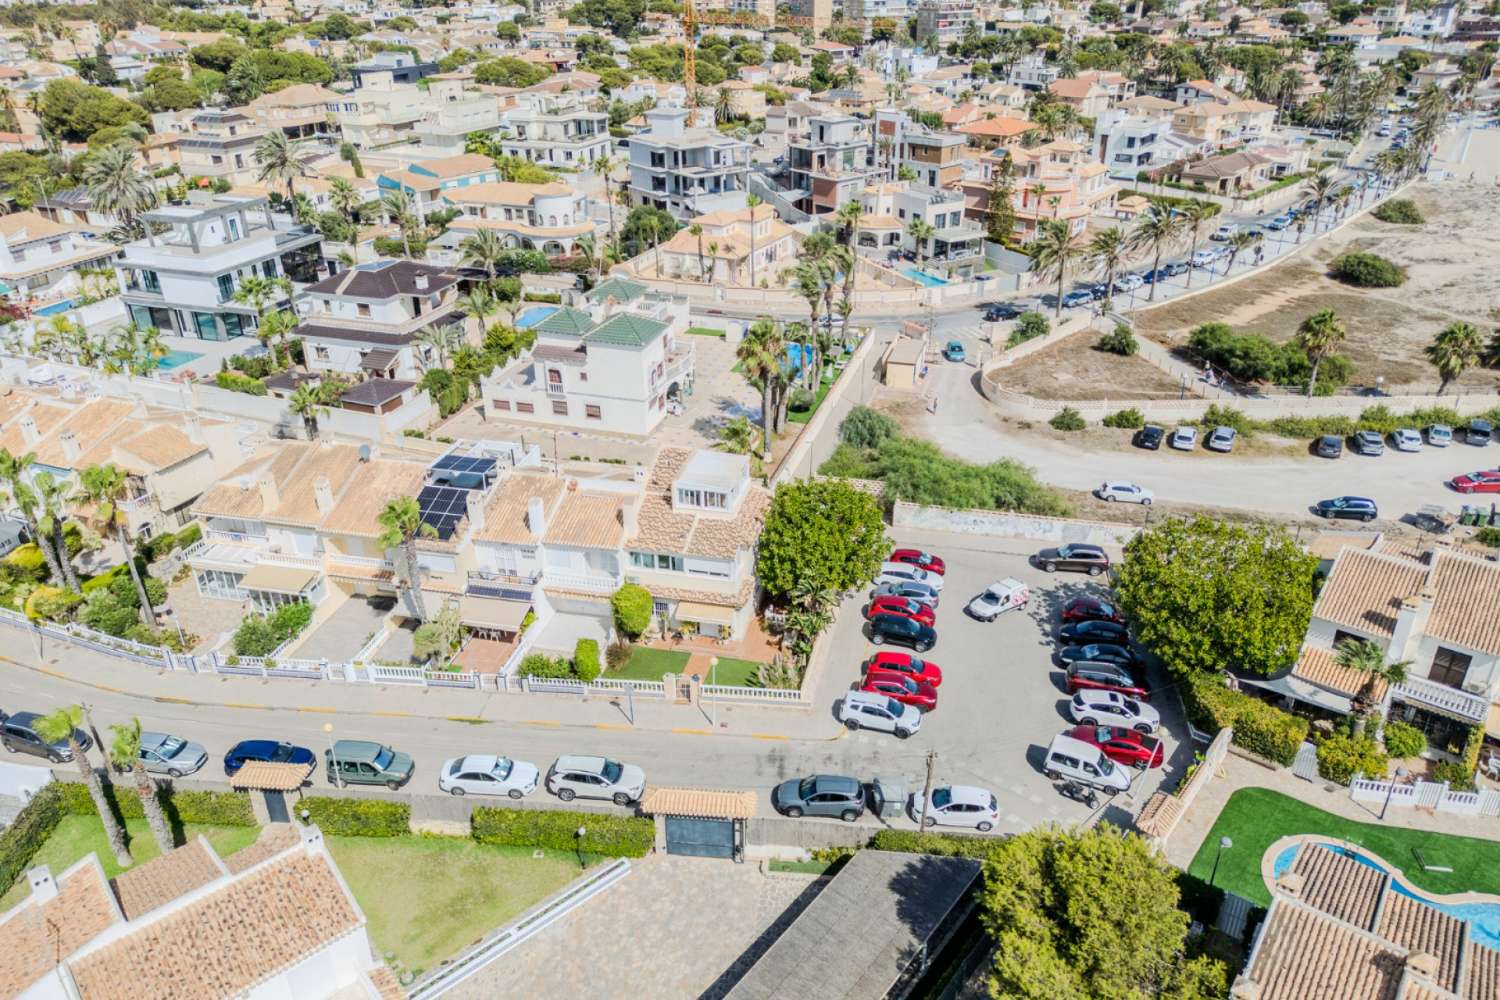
270	751
1078	297
1280	222
954	351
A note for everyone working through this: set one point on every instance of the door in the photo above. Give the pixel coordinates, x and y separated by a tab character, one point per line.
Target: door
276	807
700	838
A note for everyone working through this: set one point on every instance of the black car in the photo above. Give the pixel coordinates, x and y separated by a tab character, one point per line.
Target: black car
902	631
1330	446
18	735
1479	432
1098	652
1150	437
271	751
1078	633
1348	508
1002	311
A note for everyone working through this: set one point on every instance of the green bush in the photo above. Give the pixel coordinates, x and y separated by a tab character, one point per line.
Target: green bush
52	603
1367	270
28	832
1068	419
1458	777
357	817
1251	357
262	635
1488	536
946	845
586	660
208	808
1342	756
1402	740
867	428
1402	211
557	830
542	665
1119	341
27	563
235	382
1258	727
1226	416
103	612
1029	326
802	400
632	608
1130	419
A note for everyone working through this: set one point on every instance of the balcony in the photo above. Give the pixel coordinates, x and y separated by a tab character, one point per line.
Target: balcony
595	582
1428	694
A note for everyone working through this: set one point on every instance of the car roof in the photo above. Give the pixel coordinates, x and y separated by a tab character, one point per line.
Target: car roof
356	749
1071	745
1094	695
867	698
150	740
23	719
1083	547
835	783
970	794
255	746
477	762
580	762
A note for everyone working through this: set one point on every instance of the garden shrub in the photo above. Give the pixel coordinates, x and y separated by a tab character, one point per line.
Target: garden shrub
1402	211
948	845
27	563
1459	778
235	382
1488	536
104	612
1367	270
262	635
1130	419
617	655
1260	728
28	832
542	665
52	603
586	660
1226	416
1119	341
802	400
1402	740
357	817
1342	756
557	830
181	806
1252	357
867	428
1029	326
632	608
1068	419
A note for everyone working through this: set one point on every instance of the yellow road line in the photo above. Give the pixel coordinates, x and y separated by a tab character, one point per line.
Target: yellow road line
319	710
549	723
612	725
693	732
173	701
767	736
393	715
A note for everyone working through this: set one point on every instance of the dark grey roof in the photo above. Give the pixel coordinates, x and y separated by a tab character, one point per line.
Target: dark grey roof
378	360
385	279
314	331
375	391
862	932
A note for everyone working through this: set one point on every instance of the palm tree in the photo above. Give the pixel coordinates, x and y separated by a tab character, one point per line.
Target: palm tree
444	338
116	186
477	303
1457	348
588	249
920	232
1242	240
1194	214
1317	337
1320	186
713	260
13	471
56	496
849	214
808	283
125	754
344	197
723	105
401	525
760	355
306	401
1368	659
737	437
1105	252
752	201
104	488
845	309
1054	248
62	725
697	231
483	248
1157	228
280	161
607	165
397	206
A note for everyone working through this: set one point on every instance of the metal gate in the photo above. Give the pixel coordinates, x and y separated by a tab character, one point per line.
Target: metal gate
701	838
1306	764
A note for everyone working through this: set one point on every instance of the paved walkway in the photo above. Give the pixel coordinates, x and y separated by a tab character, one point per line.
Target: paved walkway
673	929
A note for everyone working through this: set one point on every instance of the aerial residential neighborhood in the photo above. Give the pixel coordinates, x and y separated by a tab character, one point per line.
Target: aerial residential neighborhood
861	499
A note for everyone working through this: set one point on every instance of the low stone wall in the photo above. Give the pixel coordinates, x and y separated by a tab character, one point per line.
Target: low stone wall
1011	525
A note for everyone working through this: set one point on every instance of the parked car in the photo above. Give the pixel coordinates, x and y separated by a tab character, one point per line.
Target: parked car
1124	492
363	762
905	606
905	663
1004	310
1348	509
1184	437
1090	609
863	710
911	590
1110	708
271	751
900	572
1084	763
1128	282
1280	222
902	687
953	351
1369	443
1078	297
1483	481
1099	652
1330	446
572	776
1225	233
820	795
1479	432
18	735
902	631
171	755
1439	435
1406	439
1078	556
1081	633
1222	439
1202	258
488	774
1149	437
921	560
999	597
1092	676
1123	746
957	805
1176	267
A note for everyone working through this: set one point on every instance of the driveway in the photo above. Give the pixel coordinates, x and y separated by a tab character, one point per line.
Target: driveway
345	632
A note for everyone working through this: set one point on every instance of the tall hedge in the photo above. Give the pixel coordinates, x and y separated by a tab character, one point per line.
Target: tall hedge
181	806
29	831
357	817
556	830
1258	727
586	660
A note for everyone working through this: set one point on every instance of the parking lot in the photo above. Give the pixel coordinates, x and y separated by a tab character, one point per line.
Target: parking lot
1003	695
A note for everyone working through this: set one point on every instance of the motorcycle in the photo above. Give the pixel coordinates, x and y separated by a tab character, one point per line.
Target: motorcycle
1079	792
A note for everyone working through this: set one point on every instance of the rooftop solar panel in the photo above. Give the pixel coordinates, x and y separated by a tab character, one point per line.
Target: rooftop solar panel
442	507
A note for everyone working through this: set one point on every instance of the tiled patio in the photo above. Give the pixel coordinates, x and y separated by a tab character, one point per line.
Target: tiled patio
756	644
485	656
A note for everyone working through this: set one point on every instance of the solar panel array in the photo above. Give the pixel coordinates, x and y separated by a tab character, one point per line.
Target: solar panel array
443	507
464	463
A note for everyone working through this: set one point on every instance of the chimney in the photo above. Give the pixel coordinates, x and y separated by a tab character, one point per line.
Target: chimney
29	433
192	427
1291	883
270	496
323	495
72	450
1422	963
630	517
536	517
1411	625
474	505
421	282
43	887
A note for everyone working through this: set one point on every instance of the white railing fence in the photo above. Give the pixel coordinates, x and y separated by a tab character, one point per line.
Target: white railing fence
1422	794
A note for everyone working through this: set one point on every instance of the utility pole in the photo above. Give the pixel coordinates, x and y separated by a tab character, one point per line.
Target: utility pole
927	787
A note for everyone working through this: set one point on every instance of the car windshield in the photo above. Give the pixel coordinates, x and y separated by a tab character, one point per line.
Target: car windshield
611	771
171	746
1106	766
282	753
1105	609
502	767
805	788
923	559
918	665
456	766
941	797
1065	551
909	685
1129	707
1106	734
383	758
894	707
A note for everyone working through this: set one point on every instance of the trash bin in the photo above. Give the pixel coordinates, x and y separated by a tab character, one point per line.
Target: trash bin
888	796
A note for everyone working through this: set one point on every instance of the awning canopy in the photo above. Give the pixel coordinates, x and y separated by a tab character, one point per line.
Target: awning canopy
267	776
492	612
707	614
1295	687
279	579
698	803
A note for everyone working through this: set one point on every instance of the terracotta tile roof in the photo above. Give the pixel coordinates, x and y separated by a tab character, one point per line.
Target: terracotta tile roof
660	528
1321	667
1481	973
273	839
456	166
1307	955
268	775
505	517
1339	886
587	520
1160	814
384	981
161	447
237	495
732	599
378	481
33	934
698	803
1365	589
1421	928
165	878
1466	610
503	193
298	503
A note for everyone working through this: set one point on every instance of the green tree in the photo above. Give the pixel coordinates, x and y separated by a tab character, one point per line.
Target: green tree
1369	660
1000	210
62	726
1194	214
56	497
441	636
1208	595
632	607
760	355
105	488
1318	336
508	71
280	161
1156	229
15	474
125	754
1053	250
824	535
1456	349
1106	251
306	402
117	187
401	525
74	111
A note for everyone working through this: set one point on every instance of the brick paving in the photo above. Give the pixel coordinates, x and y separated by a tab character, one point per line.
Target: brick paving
673	929
205	617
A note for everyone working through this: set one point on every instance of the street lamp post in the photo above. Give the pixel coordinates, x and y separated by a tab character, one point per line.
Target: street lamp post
578	844
1390	789
713	674
1224	844
333	760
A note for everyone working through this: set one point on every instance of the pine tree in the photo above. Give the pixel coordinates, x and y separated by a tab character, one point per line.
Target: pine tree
1000	214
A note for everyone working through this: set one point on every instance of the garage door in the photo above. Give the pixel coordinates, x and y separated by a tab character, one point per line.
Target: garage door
700	838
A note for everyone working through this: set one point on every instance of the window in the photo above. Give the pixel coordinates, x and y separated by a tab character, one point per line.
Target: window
326	305
362	309
560	407
1340	637
592	412
226	287
525	408
55	246
18	254
268	267
652	560
320	352
503	405
1449	667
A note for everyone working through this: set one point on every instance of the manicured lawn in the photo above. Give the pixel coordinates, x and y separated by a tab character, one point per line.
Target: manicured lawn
1255	818
806	415
802	867
649	664
732	672
427	898
704	331
77	836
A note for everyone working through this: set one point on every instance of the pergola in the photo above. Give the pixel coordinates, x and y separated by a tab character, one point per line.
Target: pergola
273	781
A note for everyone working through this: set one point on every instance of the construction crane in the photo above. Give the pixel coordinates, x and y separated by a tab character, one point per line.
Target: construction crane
689	57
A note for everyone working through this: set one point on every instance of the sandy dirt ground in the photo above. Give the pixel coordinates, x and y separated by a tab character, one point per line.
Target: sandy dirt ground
1073	369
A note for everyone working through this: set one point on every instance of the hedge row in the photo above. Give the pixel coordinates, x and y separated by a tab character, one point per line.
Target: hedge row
947	845
1258	727
207	808
550	829
29	831
357	817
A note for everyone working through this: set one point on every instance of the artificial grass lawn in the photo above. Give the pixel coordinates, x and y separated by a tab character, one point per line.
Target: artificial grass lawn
1255	818
427	898
647	664
733	672
806	415
704	331
77	836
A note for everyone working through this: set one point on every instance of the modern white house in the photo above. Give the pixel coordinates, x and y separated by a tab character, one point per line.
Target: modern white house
365	321
687	171
426	181
40	258
555	129
546	217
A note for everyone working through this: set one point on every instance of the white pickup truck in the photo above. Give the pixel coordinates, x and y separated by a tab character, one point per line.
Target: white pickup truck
996	599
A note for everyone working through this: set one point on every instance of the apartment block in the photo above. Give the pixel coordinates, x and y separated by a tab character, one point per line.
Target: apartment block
831	164
944	19
687	171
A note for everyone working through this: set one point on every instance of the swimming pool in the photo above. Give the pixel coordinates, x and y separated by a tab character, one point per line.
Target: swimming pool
53	308
176	359
1483	918
921	277
532	315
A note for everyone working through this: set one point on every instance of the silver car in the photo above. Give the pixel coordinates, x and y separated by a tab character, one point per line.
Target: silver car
596	778
171	755
1222	439
1184	437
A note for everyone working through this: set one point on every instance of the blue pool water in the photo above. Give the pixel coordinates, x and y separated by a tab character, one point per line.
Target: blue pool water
56	307
176	359
532	315
921	277
1483	918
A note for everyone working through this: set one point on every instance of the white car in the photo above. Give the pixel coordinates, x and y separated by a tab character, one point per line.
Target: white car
1440	435
1222	439
1093	707
488	774
1225	232
867	710
596	778
1129	282
1406	439
1004	595
958	805
896	572
1202	258
1125	493
1184	437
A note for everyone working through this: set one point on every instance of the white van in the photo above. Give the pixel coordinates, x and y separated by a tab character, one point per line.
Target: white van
1075	759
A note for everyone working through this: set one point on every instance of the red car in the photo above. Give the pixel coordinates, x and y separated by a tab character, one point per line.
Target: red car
890	604
1483	481
1091	609
916	557
905	663
1123	746
902	687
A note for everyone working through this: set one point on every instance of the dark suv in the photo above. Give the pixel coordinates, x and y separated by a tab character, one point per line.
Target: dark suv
1105	677
18	734
903	631
1348	508
1079	557
1150	437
